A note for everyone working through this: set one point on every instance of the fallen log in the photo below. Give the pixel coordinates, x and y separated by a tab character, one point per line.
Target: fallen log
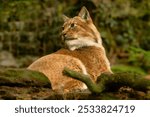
23	77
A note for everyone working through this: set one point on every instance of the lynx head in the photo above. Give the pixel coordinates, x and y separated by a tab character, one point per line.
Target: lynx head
80	31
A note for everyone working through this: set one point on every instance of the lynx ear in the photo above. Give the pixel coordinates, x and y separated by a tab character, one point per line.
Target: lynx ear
65	18
84	14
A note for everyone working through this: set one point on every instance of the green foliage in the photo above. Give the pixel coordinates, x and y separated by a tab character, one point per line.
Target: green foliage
124	23
139	57
32	27
127	68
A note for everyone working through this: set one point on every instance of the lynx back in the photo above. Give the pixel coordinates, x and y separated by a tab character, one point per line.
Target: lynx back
83	52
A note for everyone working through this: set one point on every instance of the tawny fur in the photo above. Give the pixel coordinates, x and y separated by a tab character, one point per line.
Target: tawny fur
52	66
92	57
83	52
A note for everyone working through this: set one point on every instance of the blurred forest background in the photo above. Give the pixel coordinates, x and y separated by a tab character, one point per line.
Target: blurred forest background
30	29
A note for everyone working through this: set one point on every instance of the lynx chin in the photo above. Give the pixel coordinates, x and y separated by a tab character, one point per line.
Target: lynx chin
83	52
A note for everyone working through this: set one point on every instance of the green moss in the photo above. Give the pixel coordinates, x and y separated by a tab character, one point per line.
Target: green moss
139	57
23	77
127	68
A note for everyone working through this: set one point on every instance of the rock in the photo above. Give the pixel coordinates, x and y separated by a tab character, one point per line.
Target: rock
7	59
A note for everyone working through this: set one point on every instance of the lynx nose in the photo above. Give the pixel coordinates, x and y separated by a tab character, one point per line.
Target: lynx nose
64	35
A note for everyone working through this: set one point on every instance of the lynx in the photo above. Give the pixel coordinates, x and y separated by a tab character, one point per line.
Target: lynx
83	52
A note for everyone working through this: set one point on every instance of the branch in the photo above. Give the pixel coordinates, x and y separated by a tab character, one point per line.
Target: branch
114	81
111	82
84	78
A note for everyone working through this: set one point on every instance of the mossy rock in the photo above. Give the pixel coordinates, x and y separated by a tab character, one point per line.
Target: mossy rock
23	78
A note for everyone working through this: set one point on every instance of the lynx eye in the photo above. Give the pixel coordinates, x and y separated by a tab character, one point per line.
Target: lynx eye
72	25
